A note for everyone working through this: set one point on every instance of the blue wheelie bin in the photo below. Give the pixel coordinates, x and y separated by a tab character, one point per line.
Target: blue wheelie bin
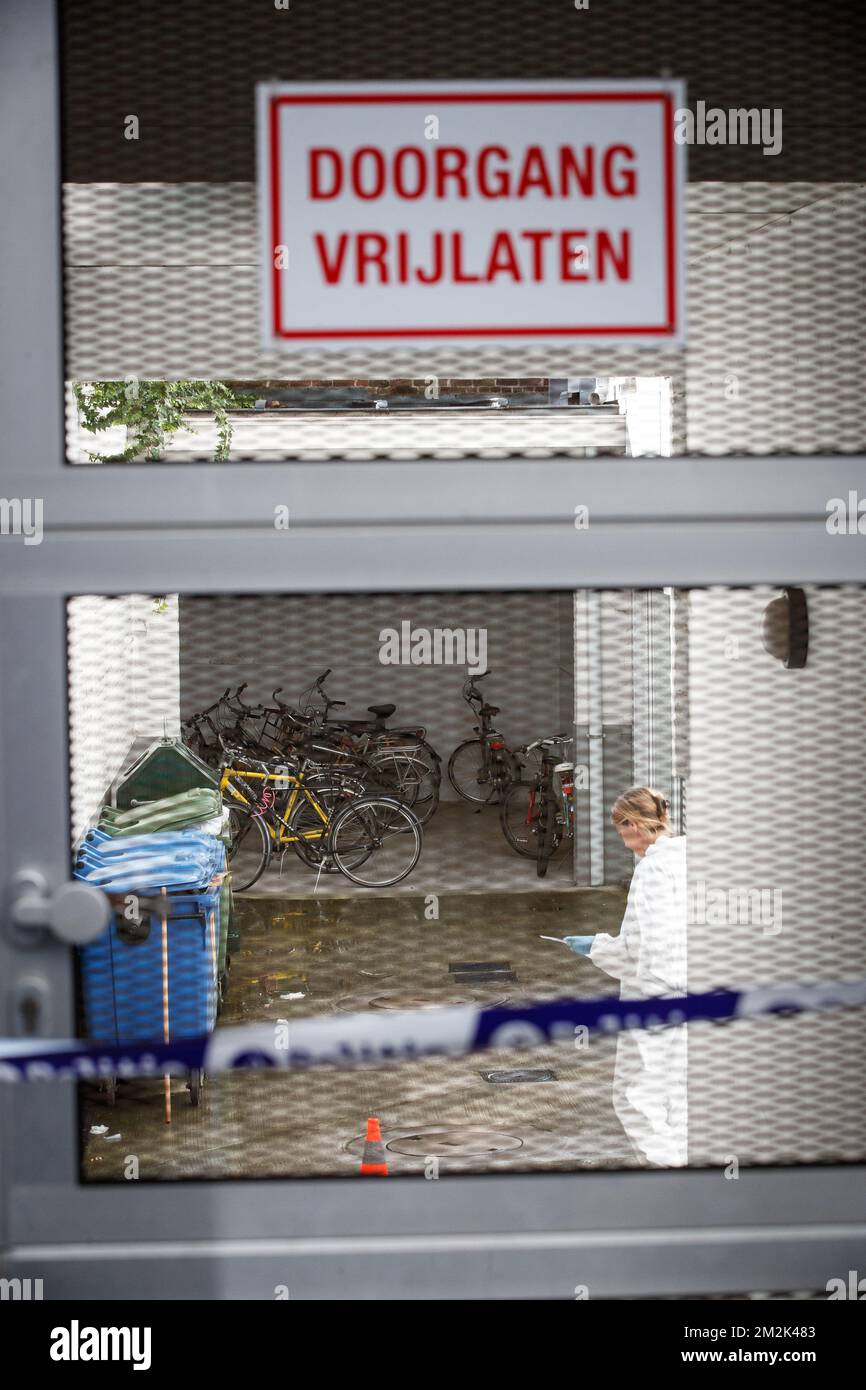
153	974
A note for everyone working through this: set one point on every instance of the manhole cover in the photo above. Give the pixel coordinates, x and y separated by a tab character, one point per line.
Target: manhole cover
411	999
444	1143
513	1078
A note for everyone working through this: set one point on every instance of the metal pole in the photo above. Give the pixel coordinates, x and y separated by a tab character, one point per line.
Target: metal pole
596	739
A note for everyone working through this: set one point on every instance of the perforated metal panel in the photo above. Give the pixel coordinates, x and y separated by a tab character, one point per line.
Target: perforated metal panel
123	688
160	231
773	791
773	784
287	640
189	71
162	282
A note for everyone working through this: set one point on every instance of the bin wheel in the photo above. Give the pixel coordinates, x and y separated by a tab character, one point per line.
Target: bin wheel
195	1083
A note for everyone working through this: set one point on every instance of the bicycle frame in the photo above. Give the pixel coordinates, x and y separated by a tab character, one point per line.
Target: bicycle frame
278	834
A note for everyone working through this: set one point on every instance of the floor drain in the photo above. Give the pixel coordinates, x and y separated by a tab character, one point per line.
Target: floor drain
513	1078
444	1143
487	967
469	972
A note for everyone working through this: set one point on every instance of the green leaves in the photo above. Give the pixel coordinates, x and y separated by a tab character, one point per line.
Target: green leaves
154	410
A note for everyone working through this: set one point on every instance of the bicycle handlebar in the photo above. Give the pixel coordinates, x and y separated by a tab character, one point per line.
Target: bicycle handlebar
233	700
197	720
545	742
295	716
283	705
469	691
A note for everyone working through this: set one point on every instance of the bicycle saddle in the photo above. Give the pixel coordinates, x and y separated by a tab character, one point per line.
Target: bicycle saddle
490	709
382	711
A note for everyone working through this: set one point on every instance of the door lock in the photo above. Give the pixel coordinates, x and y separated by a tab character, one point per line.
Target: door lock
76	913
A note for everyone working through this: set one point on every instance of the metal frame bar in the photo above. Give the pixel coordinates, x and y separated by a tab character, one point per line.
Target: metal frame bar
745	490
97	559
430	525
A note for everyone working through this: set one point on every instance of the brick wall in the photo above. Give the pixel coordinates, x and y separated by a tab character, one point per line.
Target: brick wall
408	386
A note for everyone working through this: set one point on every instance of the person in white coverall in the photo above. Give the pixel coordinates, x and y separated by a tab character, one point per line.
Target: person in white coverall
648	957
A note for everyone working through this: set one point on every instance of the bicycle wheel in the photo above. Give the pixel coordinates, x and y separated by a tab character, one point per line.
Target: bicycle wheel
467	773
386	833
427	803
548	835
348	782
249	848
312	845
519	818
409	778
397	774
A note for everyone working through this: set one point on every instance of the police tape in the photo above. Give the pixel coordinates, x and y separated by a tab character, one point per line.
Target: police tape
404	1035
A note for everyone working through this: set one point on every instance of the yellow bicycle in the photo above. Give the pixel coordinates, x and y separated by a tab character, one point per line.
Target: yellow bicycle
374	840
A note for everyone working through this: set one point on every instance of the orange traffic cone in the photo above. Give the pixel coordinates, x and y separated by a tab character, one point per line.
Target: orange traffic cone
373	1162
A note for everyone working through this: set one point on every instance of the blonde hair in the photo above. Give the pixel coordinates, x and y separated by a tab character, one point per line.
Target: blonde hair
643	807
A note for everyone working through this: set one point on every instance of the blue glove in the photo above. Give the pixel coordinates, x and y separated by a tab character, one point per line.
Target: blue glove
580	945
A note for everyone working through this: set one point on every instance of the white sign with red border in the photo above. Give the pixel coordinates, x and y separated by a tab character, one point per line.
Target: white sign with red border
471	213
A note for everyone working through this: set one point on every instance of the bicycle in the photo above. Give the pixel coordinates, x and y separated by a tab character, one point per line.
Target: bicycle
537	817
228	717
334	826
398	761
264	740
482	769
401	759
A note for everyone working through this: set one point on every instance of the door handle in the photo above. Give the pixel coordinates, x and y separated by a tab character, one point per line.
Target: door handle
75	913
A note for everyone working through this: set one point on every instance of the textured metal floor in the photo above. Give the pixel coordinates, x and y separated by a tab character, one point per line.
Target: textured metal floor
464	852
299	958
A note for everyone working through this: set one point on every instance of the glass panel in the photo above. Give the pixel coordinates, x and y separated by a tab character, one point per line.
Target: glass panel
737	707
161	243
